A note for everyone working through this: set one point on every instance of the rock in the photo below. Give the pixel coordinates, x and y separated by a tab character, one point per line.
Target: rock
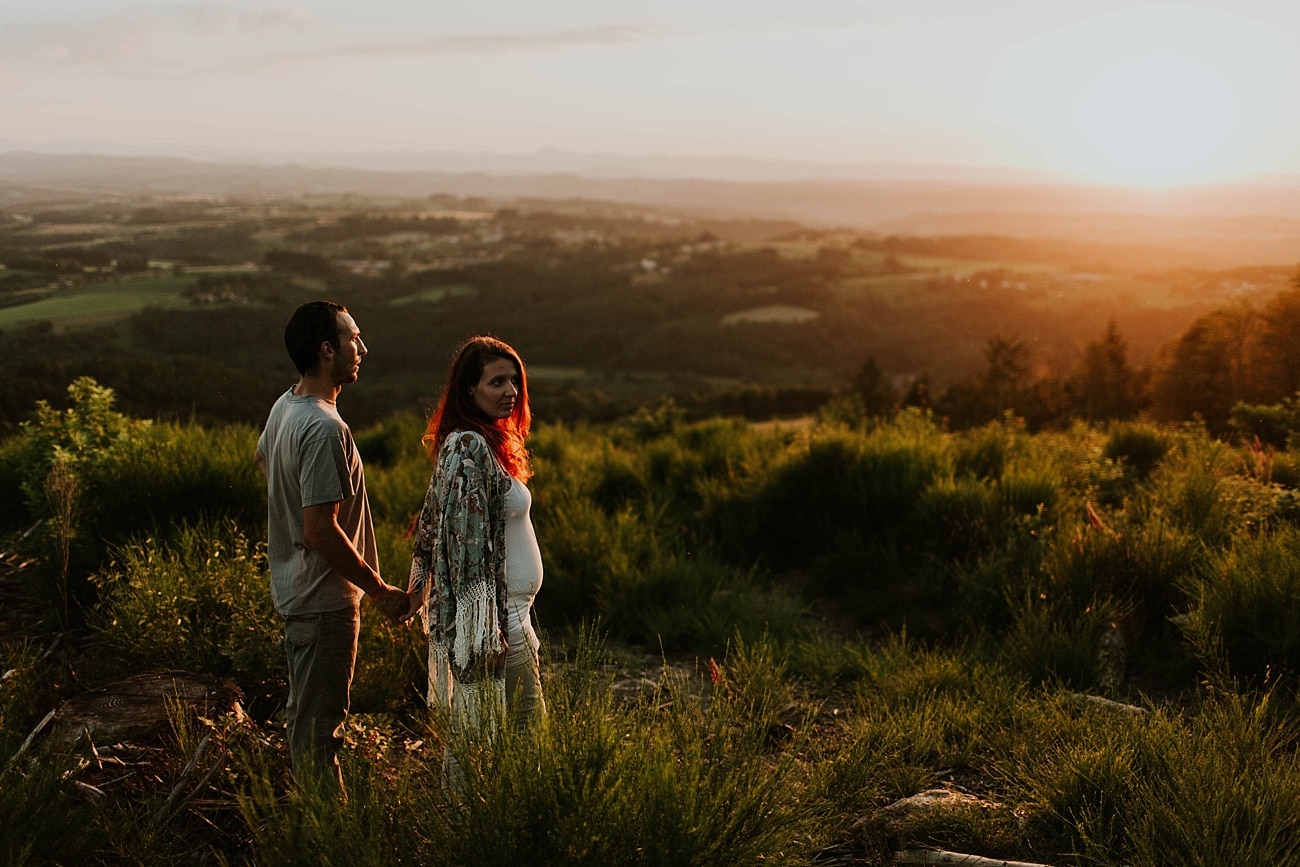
633	689
901	817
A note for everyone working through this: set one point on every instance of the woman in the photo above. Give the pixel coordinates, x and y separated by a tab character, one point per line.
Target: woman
476	566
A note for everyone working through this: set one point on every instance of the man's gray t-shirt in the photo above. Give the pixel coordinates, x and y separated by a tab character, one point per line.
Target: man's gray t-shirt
312	459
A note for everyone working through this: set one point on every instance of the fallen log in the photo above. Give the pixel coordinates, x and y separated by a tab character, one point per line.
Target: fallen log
139	708
1108	704
939	856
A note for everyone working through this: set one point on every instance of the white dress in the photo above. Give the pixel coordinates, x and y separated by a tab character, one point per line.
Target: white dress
523	580
523	566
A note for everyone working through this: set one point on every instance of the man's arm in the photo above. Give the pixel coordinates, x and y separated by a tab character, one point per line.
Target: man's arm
323	534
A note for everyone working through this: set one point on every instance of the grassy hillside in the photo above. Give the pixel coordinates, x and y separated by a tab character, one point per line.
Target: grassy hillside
756	637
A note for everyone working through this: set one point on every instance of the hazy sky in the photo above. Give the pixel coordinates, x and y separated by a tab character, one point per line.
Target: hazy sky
1104	89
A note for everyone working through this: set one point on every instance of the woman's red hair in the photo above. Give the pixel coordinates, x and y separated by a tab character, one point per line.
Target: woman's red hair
456	409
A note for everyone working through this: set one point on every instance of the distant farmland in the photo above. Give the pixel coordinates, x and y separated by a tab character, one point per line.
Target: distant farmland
100	303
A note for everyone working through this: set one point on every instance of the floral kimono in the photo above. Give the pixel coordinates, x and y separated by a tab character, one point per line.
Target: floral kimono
458	577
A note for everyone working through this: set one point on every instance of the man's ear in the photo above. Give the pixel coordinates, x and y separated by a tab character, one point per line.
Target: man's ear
327	349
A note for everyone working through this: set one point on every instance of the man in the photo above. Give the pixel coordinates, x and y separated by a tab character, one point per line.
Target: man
321	543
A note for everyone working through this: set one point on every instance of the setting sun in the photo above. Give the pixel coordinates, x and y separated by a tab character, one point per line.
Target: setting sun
1154	96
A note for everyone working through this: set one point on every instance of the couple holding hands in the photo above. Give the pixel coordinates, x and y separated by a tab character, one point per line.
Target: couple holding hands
475	566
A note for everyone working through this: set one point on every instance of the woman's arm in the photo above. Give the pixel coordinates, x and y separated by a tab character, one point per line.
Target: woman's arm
421	577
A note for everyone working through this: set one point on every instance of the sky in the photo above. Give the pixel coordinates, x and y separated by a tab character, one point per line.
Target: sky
1111	91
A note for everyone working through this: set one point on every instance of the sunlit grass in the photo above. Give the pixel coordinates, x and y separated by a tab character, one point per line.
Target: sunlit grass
836	616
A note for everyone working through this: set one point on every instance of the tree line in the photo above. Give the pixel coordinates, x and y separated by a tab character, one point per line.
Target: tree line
1237	369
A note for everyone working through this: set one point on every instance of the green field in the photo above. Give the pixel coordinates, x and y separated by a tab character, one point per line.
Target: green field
101	303
435	295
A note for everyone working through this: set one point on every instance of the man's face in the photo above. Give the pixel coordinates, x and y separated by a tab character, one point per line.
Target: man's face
351	349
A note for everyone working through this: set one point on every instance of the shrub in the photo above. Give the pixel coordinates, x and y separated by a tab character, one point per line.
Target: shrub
15	511
1223	790
393	440
1058	642
48	463
1286	470
172	475
396	492
1246	607
1138	564
198	601
1216	788
80	434
1080	787
1271	425
1029	490
102	479
986	587
869	485
1139	447
696	603
1212	505
983	452
621	483
959	517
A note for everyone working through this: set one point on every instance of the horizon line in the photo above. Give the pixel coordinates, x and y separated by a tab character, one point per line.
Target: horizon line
609	165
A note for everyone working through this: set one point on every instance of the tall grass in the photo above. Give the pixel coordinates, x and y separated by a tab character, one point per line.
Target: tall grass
681	777
809	561
1246	608
1137	447
197	601
1214	789
842	482
623	541
46	820
667	780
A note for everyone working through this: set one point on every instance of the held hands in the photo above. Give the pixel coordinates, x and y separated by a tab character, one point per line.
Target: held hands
412	609
393	603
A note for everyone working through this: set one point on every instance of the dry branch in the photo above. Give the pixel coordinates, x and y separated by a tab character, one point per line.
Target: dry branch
939	856
185	776
31	737
1109	704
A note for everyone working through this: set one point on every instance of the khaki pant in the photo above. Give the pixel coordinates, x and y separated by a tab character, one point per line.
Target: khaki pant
473	711
524	698
322	651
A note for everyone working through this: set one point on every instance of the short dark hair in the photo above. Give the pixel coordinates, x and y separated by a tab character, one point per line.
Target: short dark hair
312	324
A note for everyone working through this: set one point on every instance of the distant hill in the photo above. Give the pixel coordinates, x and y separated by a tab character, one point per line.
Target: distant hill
1202	227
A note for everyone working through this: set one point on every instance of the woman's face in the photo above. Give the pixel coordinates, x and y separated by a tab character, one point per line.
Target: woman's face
497	389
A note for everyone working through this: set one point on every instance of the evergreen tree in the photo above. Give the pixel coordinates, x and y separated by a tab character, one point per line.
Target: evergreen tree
1105	387
1211	368
879	398
1008	370
1281	341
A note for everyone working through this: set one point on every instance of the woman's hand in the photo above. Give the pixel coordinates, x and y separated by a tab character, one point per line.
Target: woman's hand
498	659
412	609
393	603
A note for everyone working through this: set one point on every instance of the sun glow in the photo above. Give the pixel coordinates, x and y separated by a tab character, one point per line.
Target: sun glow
1156	96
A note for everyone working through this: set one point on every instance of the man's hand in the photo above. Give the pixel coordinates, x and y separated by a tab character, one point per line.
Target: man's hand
411	608
391	602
